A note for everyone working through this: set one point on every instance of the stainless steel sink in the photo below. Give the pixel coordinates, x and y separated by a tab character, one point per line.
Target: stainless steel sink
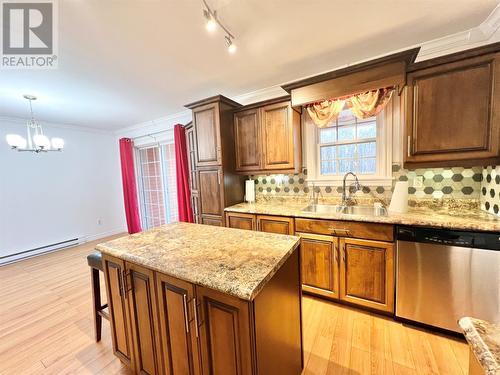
348	210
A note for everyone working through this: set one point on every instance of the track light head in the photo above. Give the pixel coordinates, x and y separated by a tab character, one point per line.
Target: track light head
231	47
211	24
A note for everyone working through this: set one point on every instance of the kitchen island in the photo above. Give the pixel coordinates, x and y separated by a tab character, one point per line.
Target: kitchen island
192	299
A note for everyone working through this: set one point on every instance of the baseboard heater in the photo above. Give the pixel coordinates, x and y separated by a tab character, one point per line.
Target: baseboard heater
39	250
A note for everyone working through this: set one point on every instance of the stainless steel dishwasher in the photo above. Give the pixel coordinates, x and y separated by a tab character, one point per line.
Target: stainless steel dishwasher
443	275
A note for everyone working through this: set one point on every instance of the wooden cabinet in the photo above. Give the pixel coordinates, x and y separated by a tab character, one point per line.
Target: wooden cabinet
142	306
213	183
178	326
267	138
275	224
163	325
367	273
320	266
225	333
240	220
247	140
121	333
207	134
453	111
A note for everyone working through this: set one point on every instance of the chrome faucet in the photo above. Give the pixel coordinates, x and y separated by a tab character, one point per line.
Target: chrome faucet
346	198
314	195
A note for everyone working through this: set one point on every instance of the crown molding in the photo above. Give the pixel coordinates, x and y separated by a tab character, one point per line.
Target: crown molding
260	95
22	121
162	124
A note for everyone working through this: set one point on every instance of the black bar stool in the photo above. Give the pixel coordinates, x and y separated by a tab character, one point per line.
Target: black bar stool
95	262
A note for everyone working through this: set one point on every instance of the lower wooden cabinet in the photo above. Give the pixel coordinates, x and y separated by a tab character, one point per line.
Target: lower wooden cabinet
367	273
121	335
178	328
163	325
319	263
357	271
240	221
275	224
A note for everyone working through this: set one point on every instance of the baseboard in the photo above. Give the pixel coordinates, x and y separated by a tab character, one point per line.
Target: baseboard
112	232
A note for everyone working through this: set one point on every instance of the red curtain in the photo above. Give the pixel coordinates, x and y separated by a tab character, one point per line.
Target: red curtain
182	173
129	185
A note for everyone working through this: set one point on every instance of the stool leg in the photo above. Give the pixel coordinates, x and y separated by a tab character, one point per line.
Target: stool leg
96	300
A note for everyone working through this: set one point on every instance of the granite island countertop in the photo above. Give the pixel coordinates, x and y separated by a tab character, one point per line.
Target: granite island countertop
484	341
232	261
449	218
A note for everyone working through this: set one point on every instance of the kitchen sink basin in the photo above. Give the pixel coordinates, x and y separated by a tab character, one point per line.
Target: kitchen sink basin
348	210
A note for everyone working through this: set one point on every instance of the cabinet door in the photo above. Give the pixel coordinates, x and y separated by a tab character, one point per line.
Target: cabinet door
207	133
275	224
247	140
367	273
143	316
240	221
210	192
320	266
277	136
179	331
121	334
216	221
452	111
224	334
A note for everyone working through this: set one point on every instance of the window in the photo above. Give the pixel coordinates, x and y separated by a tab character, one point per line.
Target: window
349	144
157	185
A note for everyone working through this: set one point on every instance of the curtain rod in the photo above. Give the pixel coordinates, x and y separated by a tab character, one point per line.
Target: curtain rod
151	134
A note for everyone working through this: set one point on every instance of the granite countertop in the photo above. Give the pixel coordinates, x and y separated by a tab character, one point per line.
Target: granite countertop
454	217
484	340
232	261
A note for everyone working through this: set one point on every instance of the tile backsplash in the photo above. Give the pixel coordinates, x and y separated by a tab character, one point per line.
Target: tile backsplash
490	190
438	183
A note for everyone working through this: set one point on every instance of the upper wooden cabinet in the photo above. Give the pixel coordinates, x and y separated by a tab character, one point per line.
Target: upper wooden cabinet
247	140
452	111
267	138
207	132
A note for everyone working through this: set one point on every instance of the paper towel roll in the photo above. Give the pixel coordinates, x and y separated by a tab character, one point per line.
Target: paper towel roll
250	191
399	200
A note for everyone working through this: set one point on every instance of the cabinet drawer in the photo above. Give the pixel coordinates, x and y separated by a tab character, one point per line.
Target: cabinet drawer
371	231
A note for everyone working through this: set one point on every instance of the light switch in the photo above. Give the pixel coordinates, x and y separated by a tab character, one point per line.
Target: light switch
418	182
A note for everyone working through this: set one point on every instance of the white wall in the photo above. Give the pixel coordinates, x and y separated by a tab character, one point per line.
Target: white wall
51	197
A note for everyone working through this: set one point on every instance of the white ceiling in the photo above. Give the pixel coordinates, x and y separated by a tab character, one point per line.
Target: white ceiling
123	62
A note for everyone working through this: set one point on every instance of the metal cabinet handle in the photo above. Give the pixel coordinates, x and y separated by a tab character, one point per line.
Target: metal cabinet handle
218	176
195	306
340	231
186	319
122	282
409	146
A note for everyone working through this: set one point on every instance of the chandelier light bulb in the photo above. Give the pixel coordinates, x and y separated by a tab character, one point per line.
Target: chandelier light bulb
57	143
15	141
231	48
41	141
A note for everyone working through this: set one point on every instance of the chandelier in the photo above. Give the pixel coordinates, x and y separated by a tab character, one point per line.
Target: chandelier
35	140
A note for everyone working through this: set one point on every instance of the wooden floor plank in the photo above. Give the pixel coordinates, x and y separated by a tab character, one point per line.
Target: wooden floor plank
46	328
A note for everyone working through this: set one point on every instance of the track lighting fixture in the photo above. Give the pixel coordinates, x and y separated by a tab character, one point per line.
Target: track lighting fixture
211	25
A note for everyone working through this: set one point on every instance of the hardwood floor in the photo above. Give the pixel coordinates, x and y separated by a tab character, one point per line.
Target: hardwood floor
46	328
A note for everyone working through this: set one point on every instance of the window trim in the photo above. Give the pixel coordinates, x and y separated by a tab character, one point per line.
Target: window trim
383	176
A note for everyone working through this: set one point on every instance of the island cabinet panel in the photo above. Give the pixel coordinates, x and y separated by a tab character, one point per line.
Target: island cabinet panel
207	132
142	304
240	221
367	273
453	112
121	334
320	266
278	322
178	330
225	335
275	224
247	140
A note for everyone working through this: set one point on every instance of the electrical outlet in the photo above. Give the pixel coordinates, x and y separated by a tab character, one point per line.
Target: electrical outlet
99	221
418	182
